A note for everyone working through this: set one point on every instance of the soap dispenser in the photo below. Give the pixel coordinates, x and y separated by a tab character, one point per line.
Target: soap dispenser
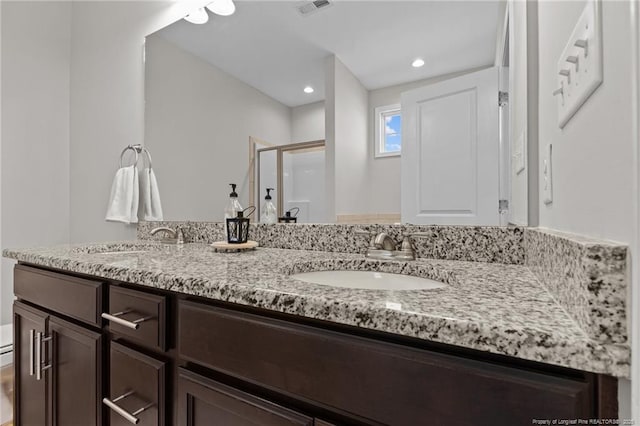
233	206
269	212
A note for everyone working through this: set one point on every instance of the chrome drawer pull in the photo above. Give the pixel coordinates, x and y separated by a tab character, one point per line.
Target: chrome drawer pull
38	355
134	325
43	366
32	336
130	417
40	339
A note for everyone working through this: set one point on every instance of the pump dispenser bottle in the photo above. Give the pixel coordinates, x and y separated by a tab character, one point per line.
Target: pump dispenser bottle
233	206
269	213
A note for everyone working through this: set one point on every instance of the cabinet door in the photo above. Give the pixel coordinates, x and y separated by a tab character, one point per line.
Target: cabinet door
137	388
205	402
31	390
75	375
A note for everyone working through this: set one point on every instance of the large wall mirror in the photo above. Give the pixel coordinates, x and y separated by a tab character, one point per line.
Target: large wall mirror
399	102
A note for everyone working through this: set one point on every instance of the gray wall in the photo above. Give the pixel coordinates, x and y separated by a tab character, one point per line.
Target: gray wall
107	102
593	154
350	141
198	122
35	130
307	122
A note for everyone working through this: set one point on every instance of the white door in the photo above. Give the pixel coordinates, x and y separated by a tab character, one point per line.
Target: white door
451	152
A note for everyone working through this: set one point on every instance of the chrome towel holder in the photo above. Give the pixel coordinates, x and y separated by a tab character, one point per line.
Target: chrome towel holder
137	149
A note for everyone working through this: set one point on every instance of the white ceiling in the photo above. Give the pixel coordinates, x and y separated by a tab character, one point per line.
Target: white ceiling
270	46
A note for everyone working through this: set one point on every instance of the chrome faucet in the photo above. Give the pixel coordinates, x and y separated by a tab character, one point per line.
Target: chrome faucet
177	237
383	241
383	247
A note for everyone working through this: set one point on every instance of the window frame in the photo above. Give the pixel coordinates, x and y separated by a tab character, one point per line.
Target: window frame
380	113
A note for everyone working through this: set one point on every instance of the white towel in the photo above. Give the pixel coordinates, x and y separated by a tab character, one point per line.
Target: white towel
150	196
123	203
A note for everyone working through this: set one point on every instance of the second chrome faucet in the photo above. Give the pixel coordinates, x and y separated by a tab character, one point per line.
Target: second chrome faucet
384	247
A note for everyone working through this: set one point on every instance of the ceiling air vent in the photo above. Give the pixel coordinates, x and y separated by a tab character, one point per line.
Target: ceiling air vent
310	7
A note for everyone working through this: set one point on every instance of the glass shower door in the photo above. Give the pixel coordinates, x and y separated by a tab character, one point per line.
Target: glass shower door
303	183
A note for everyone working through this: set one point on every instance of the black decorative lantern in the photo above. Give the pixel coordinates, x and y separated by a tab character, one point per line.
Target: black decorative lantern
238	227
288	218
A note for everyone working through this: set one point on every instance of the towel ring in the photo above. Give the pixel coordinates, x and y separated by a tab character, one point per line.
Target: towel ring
137	149
148	155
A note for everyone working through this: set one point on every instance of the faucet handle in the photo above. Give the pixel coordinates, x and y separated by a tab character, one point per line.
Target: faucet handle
179	235
406	243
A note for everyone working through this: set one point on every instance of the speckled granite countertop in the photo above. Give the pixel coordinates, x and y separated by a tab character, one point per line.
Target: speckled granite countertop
491	307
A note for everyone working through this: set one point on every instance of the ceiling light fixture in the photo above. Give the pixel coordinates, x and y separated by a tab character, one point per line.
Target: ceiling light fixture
308	89
222	7
200	16
417	63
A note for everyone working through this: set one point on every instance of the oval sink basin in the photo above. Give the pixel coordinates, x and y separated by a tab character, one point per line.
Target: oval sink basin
368	280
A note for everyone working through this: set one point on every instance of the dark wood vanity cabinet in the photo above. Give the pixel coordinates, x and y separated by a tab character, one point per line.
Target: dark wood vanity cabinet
58	370
169	359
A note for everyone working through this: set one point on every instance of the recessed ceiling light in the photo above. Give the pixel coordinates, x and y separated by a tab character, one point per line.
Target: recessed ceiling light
200	16
308	89
417	63
222	7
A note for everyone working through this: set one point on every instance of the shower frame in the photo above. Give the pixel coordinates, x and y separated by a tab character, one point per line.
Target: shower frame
280	150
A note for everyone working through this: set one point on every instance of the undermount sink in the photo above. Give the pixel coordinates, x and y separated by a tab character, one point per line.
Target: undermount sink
368	280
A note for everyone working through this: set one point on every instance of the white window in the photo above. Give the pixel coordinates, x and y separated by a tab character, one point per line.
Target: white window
388	137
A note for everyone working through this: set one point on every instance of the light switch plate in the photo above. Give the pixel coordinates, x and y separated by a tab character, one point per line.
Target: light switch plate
547	175
583	64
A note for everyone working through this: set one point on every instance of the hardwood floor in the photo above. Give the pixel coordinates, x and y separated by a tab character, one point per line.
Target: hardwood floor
6	395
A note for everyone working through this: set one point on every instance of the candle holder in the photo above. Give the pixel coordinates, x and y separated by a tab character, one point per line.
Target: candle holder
238	227
288	218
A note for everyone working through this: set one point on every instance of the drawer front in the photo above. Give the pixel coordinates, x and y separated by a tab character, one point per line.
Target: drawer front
138	316
383	382
204	402
136	381
75	297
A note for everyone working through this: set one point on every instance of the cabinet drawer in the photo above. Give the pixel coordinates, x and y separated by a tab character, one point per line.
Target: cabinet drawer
384	382
138	316
136	382
75	297
203	401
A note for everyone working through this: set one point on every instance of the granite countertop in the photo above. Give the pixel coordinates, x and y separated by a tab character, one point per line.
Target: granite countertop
491	307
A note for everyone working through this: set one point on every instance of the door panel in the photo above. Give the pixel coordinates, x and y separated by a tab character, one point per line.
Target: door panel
75	376
203	401
31	394
450	154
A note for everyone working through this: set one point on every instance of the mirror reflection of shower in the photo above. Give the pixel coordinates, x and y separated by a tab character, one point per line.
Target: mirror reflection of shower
297	174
